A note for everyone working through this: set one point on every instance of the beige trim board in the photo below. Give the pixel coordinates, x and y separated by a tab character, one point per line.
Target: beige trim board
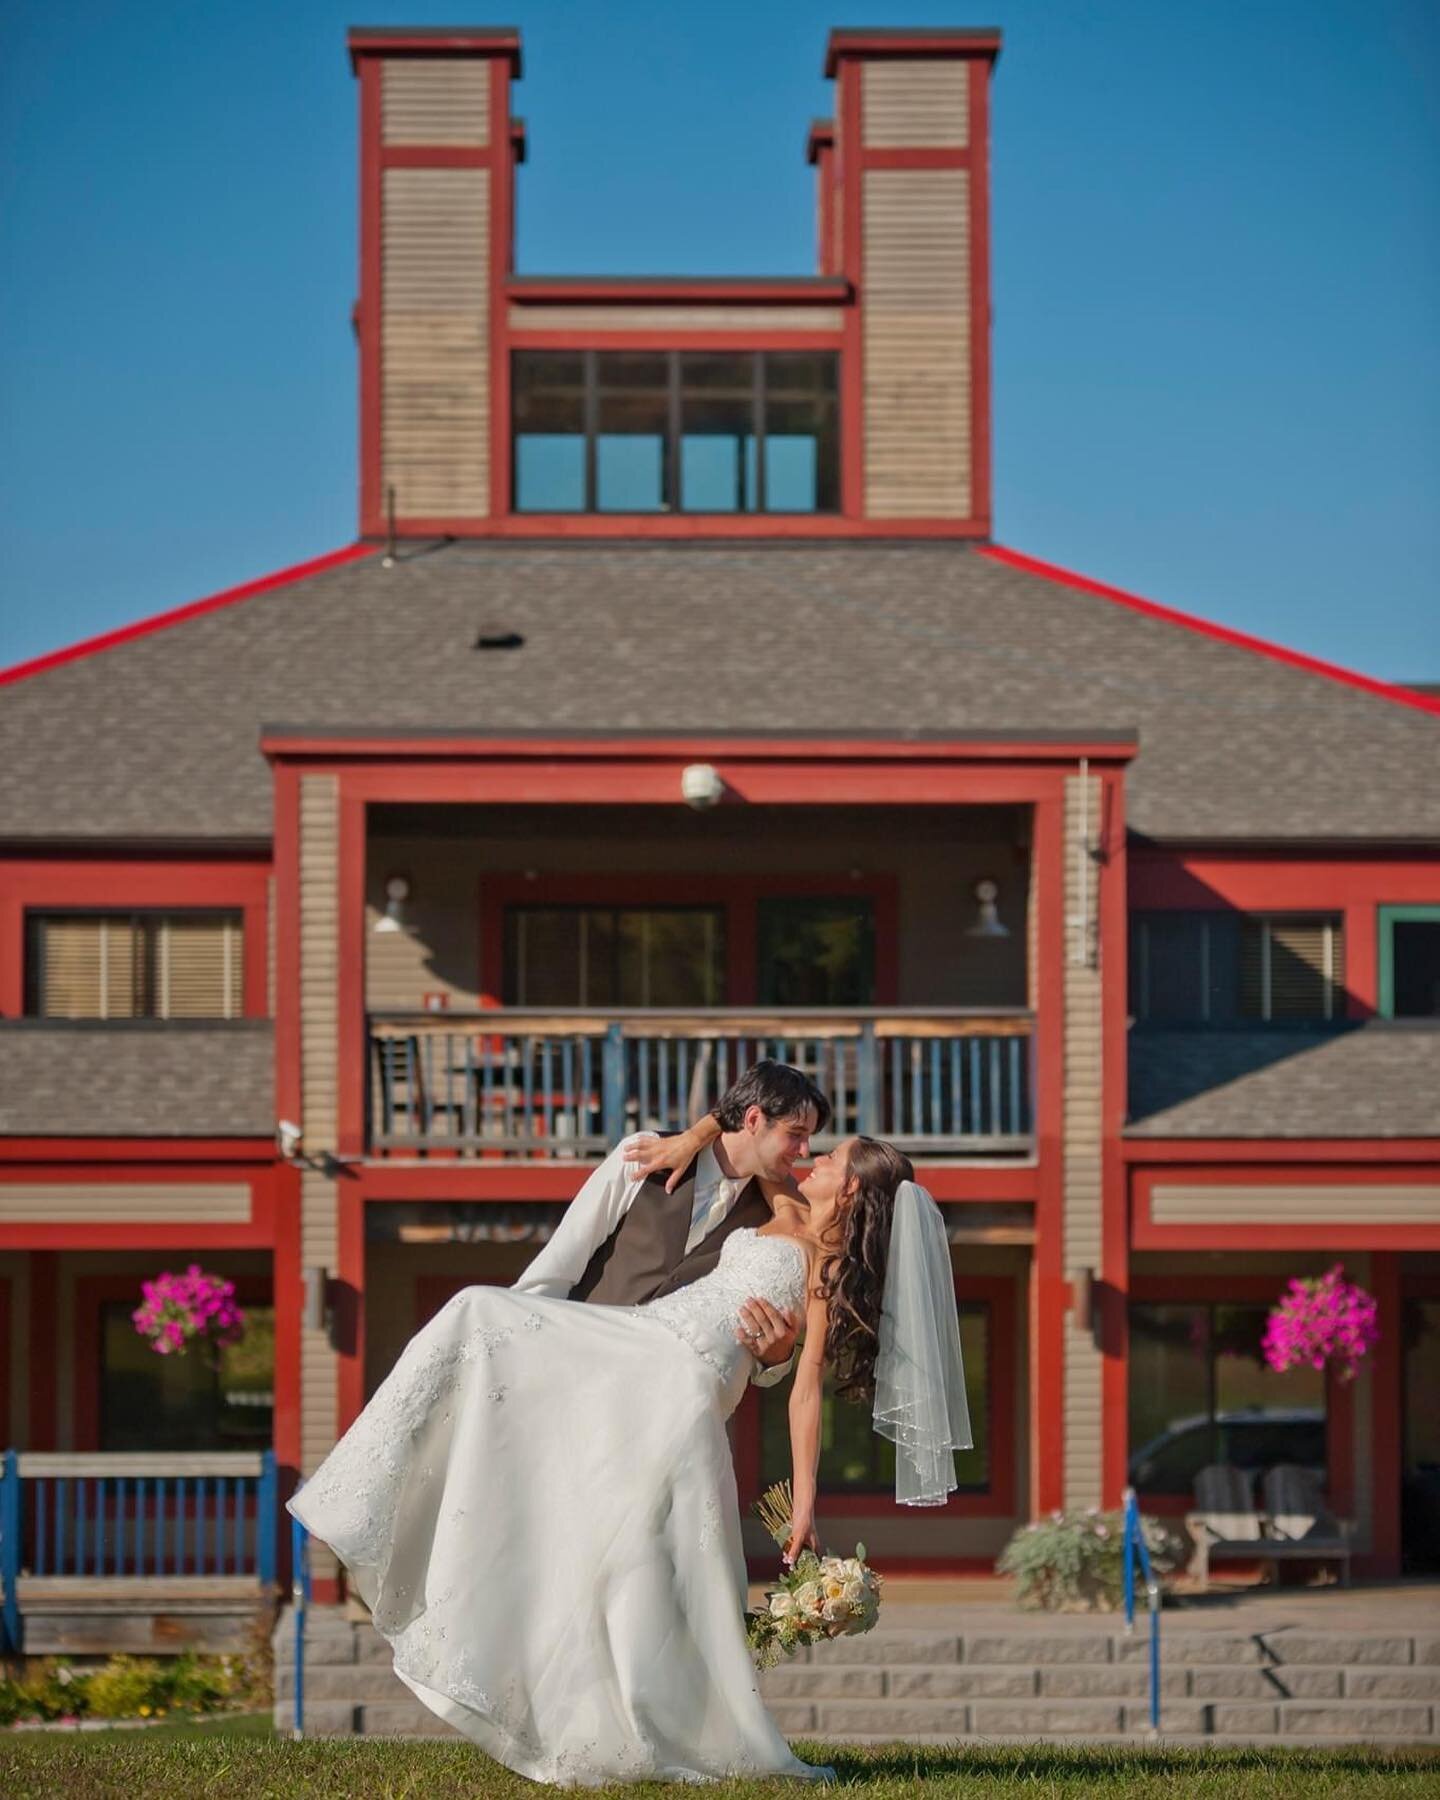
1372	1203
128	1202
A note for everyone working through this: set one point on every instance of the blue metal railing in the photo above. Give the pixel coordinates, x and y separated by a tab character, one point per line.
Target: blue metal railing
939	1081
300	1595
1137	1550
152	1514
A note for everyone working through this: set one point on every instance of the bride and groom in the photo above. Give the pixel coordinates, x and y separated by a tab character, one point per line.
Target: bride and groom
538	1503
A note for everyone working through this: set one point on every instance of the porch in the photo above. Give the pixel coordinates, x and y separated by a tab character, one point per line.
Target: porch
525	1001
513	1082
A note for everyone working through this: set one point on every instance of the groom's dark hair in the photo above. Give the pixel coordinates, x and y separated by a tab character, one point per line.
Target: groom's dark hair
778	1090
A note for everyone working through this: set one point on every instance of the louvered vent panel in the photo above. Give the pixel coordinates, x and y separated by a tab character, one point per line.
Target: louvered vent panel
435	342
917	343
914	104
436	100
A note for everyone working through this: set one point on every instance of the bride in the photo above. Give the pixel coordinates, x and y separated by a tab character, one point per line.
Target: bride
538	1505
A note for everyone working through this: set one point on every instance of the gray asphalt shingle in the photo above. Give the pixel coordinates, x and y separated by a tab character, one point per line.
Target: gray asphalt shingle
157	737
1372	1081
129	1079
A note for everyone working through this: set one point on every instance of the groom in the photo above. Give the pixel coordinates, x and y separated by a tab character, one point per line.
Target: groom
622	1242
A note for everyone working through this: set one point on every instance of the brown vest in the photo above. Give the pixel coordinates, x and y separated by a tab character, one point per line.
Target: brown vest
645	1255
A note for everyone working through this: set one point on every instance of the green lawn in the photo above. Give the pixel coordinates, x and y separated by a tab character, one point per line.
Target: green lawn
234	1759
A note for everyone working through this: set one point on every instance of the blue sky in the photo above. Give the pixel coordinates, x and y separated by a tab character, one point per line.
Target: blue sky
1217	281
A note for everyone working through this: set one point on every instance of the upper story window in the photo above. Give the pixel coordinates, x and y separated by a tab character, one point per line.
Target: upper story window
135	965
1409	944
637	431
1220	968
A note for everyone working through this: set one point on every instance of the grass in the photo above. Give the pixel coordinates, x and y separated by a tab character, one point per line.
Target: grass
245	1762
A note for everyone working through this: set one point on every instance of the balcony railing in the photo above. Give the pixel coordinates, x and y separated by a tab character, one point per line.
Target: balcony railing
165	1516
520	1083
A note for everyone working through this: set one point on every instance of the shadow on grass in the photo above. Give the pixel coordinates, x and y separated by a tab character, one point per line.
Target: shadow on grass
1080	1763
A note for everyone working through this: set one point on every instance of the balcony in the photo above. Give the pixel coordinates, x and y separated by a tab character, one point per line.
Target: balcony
943	1083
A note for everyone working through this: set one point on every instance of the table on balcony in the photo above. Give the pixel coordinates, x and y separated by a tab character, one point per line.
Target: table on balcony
939	1082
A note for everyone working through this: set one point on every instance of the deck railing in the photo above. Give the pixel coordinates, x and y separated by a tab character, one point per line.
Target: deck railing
153	1514
509	1082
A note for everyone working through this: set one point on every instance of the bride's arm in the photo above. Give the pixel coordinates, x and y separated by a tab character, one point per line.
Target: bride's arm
648	1154
805	1398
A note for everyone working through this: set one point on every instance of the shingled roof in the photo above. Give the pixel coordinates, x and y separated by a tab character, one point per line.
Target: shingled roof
157	736
176	1078
1371	1081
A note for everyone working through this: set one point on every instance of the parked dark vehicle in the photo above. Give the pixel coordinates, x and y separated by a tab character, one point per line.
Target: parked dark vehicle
1254	1440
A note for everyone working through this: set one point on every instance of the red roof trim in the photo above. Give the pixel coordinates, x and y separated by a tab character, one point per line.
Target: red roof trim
1241	640
917	41
107	640
727	290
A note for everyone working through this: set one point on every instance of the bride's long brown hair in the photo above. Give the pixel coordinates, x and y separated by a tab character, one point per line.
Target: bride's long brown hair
852	1274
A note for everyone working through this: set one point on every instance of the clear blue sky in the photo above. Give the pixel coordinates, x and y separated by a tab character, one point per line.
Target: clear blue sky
1217	280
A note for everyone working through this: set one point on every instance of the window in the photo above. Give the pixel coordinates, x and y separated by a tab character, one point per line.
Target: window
1201	1392
1227	968
1291	968
675	430
817	953
152	1402
1410	962
183	965
854	1458
614	956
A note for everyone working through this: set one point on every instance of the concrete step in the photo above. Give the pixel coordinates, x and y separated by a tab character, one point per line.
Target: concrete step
355	1682
403	1718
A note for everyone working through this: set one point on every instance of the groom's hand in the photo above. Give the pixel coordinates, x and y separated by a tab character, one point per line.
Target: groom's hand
768	1333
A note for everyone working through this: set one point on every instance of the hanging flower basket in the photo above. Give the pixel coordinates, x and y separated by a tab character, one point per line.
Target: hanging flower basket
1321	1322
195	1307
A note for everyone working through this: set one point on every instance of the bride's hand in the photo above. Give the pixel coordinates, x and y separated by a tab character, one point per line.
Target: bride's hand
649	1154
802	1537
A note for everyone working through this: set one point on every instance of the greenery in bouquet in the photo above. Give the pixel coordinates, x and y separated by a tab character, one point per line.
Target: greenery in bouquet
821	1597
1075	1561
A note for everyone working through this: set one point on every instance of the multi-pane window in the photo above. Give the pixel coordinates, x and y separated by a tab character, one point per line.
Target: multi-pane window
1201	1392
854	1458
1227	968
614	956
136	965
642	431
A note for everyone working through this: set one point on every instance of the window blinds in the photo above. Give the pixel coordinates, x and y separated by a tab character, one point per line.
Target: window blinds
138	966
1291	968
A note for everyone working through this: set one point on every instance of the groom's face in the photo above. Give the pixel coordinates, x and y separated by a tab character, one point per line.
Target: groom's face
780	1143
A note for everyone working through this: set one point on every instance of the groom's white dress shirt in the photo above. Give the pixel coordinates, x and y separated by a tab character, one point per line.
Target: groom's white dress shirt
599	1207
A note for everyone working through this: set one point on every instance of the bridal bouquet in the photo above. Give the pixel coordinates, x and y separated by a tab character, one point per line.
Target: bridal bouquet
821	1597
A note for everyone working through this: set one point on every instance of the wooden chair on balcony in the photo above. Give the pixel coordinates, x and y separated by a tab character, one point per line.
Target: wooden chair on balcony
1299	1522
402	1105
1225	1524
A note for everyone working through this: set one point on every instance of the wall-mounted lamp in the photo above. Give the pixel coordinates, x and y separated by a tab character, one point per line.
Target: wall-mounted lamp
312	1313
987	914
397	892
701	786
287	1140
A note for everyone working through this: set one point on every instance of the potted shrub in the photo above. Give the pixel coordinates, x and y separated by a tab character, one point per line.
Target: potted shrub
1074	1561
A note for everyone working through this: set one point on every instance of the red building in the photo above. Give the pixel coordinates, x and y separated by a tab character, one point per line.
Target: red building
675	702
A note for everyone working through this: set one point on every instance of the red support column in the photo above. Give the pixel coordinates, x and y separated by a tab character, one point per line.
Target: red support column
1048	1288
44	1297
1386	1419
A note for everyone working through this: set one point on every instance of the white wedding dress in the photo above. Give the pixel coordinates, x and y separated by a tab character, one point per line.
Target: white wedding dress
538	1506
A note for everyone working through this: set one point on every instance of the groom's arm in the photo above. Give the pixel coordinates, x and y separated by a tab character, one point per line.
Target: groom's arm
584	1226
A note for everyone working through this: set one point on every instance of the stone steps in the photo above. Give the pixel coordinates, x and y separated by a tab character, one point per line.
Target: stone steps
1086	1683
